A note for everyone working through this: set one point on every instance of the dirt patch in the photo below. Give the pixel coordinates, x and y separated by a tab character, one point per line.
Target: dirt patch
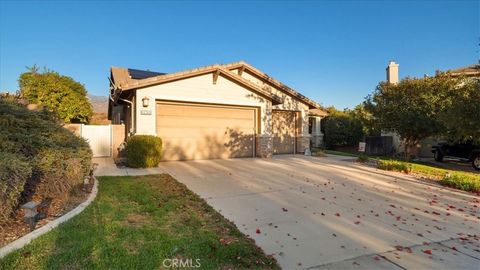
137	220
14	228
132	248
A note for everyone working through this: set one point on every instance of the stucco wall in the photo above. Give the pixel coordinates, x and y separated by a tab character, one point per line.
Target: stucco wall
198	89
289	103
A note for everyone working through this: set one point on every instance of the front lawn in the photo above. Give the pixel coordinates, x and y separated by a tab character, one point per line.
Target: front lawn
137	223
456	179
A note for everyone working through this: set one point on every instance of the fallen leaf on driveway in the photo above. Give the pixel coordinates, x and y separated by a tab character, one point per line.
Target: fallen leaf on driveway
428	251
357	222
376	258
258	231
285	209
337	214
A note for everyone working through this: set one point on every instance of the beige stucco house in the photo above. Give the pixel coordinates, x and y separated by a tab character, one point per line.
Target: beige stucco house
218	111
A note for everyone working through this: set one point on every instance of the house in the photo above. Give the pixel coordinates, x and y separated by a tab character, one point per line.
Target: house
218	111
471	71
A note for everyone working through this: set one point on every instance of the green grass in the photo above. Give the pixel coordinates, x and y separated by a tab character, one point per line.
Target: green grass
462	182
394	165
456	179
136	223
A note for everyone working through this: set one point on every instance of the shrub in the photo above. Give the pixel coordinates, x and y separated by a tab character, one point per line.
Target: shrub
462	182
362	158
393	165
54	158
143	151
342	129
14	173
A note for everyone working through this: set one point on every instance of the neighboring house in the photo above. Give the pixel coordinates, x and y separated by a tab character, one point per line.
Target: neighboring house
218	111
472	71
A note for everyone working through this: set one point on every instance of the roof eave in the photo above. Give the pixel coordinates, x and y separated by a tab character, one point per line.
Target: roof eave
161	79
311	104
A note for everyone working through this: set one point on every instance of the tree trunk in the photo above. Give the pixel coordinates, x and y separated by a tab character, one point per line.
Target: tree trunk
407	148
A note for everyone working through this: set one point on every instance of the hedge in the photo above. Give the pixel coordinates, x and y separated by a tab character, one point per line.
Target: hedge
14	173
39	159
143	151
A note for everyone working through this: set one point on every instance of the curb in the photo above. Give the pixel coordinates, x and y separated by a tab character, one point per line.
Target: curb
26	239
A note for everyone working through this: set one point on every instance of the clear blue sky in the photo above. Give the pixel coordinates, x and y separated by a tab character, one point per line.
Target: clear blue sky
334	52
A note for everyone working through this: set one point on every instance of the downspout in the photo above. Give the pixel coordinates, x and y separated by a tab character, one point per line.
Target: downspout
132	119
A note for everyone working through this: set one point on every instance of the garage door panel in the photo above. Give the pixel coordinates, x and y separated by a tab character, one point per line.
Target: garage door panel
197	131
172	133
191	122
199	111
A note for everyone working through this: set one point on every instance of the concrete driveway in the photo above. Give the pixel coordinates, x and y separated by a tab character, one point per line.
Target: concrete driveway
328	213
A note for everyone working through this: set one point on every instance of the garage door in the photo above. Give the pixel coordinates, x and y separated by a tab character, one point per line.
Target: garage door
202	131
284	126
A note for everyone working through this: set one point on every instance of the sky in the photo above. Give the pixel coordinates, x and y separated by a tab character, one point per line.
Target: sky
334	52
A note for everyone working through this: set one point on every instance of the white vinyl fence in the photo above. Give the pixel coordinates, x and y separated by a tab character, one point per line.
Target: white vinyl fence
99	137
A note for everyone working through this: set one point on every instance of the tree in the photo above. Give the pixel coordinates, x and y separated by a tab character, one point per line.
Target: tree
412	107
461	114
368	122
341	128
60	94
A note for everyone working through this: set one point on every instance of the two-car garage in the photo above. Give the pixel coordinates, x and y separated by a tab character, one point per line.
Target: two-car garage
208	131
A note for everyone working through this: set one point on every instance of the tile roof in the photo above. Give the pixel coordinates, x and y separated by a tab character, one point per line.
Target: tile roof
265	77
127	79
471	70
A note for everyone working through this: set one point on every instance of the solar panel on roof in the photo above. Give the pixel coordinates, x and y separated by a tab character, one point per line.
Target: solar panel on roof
143	74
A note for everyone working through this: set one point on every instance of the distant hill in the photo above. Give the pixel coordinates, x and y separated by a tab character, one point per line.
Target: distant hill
99	103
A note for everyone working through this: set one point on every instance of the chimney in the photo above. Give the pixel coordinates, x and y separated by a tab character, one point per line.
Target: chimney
392	72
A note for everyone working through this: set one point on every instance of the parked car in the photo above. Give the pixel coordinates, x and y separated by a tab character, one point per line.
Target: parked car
462	151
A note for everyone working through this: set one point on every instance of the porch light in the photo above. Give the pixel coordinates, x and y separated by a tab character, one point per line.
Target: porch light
145	101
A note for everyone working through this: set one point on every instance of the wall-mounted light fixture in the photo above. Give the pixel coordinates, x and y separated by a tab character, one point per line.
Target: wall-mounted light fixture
145	101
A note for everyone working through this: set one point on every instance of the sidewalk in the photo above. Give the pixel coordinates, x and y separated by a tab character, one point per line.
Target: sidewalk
106	167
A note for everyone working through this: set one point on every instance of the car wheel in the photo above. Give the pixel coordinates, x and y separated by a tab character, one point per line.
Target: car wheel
476	163
438	156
